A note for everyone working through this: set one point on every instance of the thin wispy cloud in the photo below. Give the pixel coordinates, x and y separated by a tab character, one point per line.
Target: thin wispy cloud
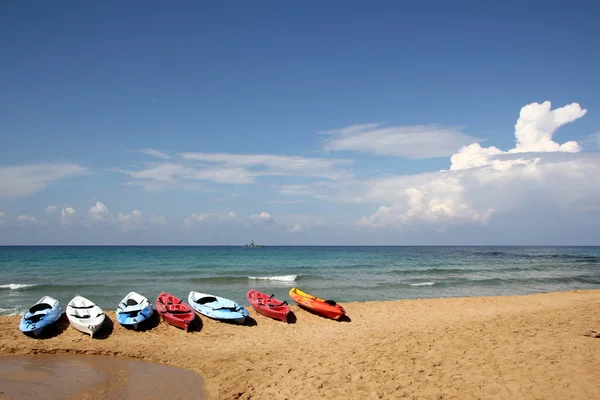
156	153
416	142
24	180
238	169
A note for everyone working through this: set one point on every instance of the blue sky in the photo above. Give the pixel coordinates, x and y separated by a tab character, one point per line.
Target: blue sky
304	123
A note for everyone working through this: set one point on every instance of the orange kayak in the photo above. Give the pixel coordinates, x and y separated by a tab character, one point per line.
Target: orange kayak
326	308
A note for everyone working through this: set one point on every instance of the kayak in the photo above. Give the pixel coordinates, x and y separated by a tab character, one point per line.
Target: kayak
217	307
268	306
133	310
326	308
84	315
43	313
174	310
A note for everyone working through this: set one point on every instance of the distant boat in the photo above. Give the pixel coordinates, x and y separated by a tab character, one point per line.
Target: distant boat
253	246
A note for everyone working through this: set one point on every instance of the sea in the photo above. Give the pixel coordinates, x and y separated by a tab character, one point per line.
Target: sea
105	274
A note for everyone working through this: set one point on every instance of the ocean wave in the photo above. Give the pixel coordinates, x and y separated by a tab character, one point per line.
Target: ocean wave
281	278
11	311
422	284
16	286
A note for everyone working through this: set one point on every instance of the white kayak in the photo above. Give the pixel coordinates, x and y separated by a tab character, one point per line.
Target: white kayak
84	315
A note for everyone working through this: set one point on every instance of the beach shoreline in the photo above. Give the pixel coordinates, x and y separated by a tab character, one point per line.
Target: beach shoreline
527	346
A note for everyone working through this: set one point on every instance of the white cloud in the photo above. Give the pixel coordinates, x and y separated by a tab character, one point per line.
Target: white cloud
226	168
484	181
262	217
28	220
156	153
98	212
67	215
131	221
212	217
23	180
50	210
273	165
417	141
2	215
538	122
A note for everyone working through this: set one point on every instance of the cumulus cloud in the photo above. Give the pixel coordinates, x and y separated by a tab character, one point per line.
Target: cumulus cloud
419	141
28	220
98	213
50	210
23	180
67	215
482	181
262	217
211	217
130	221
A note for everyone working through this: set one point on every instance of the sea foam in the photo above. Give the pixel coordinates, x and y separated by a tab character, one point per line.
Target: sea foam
422	284
16	286
281	278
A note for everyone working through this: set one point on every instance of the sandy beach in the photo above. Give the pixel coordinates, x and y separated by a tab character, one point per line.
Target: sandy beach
526	347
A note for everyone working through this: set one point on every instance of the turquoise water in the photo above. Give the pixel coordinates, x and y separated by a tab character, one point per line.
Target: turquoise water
107	274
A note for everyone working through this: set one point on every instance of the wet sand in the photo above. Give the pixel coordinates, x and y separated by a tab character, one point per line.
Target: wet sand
525	347
49	377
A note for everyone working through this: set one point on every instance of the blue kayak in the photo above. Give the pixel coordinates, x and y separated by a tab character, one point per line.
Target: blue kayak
217	307
43	313
133	310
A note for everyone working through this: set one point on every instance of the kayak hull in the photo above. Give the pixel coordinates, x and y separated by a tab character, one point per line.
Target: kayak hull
268	306
174	311
133	310
218	308
42	314
325	308
84	315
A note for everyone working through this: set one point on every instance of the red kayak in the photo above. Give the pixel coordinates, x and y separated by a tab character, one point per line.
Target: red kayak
268	306
174	310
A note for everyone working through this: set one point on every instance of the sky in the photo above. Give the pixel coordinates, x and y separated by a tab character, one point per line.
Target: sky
300	123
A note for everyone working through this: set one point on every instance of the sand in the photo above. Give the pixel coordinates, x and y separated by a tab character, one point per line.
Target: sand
525	347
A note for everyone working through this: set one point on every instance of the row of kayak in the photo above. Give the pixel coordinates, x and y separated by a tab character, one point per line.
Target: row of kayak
85	316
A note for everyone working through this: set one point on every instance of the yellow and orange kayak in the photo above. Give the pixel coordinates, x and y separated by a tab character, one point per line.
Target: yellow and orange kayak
326	308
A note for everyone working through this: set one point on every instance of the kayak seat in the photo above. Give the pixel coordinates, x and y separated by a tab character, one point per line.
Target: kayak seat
81	316
330	302
131	302
39	307
81	307
179	312
205	300
278	305
35	318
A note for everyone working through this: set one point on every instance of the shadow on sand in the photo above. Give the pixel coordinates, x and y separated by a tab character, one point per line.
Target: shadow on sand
107	328
196	325
52	330
249	322
291	318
